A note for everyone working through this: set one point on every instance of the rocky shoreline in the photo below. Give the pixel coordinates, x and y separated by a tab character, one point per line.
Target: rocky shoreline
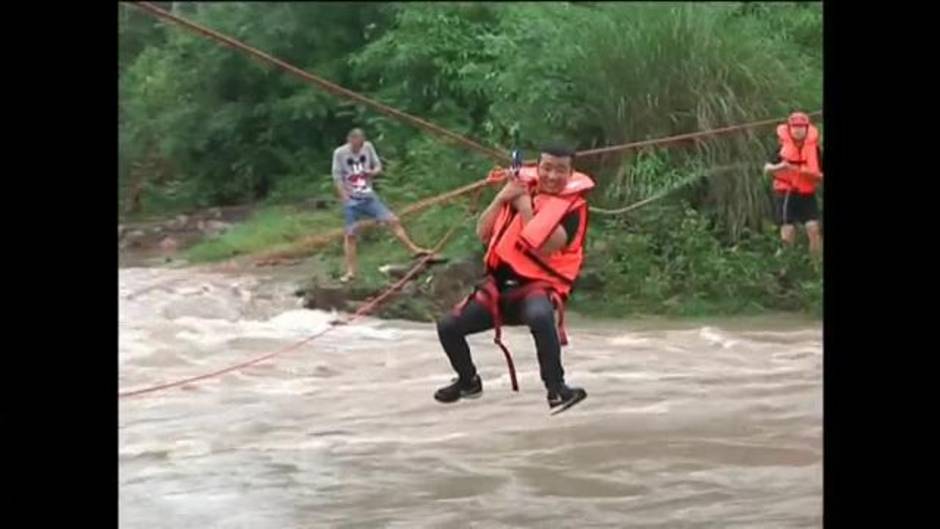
436	287
434	290
157	242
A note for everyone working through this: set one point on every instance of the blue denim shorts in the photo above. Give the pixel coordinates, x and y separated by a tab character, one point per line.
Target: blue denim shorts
369	207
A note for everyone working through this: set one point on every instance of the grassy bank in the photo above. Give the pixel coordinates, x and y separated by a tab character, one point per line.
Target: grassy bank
275	226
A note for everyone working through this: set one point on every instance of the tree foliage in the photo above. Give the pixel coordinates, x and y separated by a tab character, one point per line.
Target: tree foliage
232	129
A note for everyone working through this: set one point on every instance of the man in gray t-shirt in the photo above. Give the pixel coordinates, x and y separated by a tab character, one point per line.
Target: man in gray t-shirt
355	164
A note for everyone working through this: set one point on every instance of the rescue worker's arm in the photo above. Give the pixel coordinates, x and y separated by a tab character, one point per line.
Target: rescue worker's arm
488	218
556	241
776	163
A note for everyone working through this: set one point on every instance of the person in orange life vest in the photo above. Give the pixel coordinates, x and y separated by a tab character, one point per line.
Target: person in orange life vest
534	231
796	167
355	165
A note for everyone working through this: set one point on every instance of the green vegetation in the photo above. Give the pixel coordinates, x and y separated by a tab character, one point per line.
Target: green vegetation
267	228
201	125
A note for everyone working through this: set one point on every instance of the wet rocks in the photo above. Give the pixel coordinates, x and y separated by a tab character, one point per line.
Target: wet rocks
179	223
213	228
325	298
169	245
135	238
434	290
452	282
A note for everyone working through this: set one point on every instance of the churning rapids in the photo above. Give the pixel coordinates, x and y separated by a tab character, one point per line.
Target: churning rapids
687	425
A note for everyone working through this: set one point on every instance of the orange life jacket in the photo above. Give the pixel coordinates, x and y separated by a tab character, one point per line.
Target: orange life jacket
515	245
803	156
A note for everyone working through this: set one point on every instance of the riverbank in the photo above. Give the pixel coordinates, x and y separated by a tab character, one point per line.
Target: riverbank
641	268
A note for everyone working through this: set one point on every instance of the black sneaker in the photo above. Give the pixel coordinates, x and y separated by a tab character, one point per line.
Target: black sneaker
460	390
564	397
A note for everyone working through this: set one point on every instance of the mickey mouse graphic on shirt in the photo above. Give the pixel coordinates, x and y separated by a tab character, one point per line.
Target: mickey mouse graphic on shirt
357	174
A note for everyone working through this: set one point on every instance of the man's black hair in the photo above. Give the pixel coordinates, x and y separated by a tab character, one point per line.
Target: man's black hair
557	149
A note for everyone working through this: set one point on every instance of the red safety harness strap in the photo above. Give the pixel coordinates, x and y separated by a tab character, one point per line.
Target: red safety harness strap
487	295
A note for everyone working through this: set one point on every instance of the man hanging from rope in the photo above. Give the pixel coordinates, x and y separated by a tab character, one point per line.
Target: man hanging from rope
796	166
355	164
534	231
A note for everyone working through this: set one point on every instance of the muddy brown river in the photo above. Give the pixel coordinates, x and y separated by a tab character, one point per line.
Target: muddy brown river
688	424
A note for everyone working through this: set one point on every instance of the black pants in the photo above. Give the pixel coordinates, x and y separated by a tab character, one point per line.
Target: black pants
795	208
536	311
